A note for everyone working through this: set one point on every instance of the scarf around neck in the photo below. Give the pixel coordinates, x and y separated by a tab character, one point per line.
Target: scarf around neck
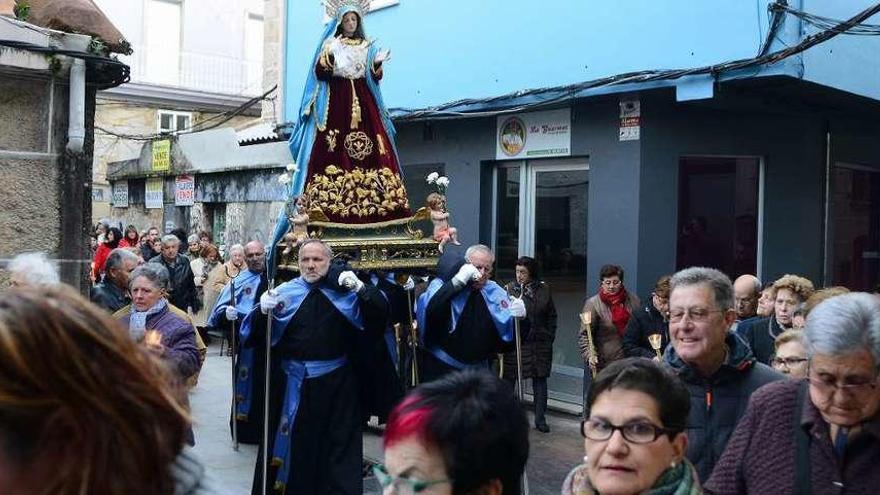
678	480
617	303
137	321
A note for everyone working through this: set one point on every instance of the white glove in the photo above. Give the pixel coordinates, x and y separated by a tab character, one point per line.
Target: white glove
467	273
231	313
350	281
410	284
268	301
517	307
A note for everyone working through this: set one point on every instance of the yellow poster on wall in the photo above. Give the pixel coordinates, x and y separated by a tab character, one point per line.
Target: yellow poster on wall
161	155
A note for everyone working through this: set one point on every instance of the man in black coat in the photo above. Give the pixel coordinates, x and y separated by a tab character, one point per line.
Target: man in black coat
650	320
112	292
716	365
183	293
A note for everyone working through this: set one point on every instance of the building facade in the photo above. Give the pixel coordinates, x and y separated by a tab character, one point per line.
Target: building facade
195	65
565	141
48	81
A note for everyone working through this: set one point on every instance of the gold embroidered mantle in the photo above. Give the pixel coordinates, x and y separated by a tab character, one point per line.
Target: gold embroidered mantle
358	193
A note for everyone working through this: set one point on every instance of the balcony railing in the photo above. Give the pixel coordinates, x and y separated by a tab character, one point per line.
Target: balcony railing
197	71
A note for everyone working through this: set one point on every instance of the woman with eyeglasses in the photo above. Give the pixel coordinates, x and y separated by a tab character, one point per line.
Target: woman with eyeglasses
791	354
634	434
822	434
464	433
610	310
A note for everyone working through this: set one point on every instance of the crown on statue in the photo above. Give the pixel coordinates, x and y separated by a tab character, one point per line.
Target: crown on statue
335	7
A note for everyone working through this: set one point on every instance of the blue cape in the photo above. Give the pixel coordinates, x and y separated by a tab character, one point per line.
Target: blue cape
291	295
246	284
496	299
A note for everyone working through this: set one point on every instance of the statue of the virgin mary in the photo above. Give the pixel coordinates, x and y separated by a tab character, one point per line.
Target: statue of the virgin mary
343	142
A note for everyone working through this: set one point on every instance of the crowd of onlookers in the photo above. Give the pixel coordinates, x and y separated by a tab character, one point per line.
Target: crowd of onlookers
711	386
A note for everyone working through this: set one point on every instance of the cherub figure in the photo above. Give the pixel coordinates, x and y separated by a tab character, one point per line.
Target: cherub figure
300	220
443	232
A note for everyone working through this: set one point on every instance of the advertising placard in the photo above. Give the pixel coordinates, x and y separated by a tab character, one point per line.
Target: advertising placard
533	135
184	190
161	155
120	194
153	197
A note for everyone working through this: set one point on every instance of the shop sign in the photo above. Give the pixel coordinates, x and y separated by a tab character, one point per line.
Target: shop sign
153	194
184	190
630	120
120	194
161	155
533	135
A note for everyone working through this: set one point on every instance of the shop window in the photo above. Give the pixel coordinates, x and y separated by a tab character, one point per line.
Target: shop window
718	214
855	220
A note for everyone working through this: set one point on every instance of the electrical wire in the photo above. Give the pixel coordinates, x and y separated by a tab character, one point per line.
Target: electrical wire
554	95
204	125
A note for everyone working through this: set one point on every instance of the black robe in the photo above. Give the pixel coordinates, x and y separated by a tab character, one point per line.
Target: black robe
250	430
475	339
327	442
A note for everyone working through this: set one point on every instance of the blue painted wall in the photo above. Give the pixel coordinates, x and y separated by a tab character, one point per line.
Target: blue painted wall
846	62
444	51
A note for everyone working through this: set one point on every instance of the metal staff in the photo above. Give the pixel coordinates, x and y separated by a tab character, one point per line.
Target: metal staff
413	341
270	263
233	334
519	385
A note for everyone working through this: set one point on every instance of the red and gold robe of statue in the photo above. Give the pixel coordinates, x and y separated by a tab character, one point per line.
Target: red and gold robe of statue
353	172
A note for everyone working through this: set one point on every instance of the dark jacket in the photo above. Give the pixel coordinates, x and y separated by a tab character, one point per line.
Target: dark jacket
147	252
718	402
178	339
757	334
108	296
183	293
537	330
644	322
760	457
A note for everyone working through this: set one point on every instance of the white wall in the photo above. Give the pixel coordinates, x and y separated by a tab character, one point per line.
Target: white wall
211	56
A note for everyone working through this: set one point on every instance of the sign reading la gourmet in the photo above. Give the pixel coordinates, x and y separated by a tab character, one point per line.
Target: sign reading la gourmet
533	135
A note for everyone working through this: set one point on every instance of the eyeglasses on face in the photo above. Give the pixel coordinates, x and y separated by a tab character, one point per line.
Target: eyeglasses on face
402	485
787	362
611	282
695	314
828	384
639	432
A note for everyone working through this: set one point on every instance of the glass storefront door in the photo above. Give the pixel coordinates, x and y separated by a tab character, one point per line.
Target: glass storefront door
541	211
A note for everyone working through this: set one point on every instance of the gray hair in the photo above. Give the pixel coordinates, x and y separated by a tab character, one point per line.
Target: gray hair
154	272
844	324
236	247
720	284
35	268
118	256
170	239
478	248
328	251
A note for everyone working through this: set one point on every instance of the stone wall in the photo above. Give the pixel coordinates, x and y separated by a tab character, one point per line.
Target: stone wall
45	189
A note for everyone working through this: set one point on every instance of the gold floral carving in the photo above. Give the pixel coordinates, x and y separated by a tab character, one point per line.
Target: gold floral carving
358	145
331	140
358	193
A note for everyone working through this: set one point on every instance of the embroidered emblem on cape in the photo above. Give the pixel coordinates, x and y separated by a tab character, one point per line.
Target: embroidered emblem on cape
358	145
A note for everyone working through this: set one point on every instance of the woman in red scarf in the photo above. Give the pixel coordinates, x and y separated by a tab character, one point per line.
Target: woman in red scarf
610	310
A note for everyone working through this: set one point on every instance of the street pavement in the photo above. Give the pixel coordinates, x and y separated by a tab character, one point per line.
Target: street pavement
552	455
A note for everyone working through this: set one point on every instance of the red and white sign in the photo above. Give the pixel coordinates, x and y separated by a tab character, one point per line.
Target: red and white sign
184	190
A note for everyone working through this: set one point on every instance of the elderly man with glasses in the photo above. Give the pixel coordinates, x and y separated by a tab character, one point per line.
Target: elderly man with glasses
820	435
717	366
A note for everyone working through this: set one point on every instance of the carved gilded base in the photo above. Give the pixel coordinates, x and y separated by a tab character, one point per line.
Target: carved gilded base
391	246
